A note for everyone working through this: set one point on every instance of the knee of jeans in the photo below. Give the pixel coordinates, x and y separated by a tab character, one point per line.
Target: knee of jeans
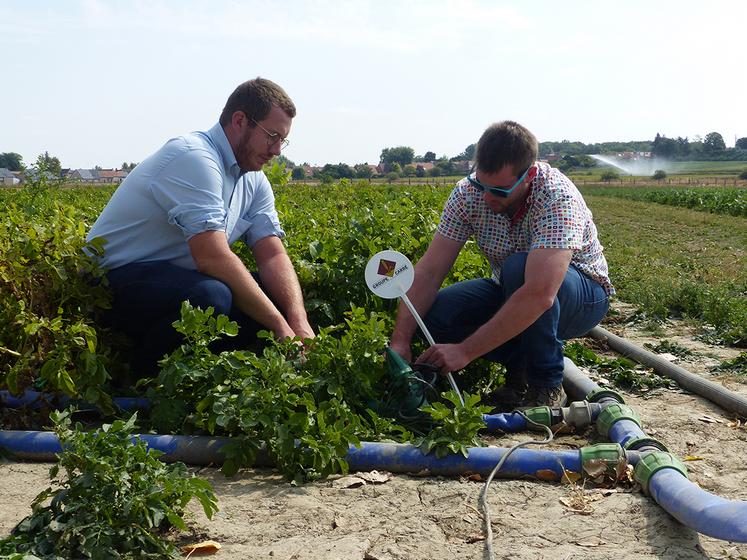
512	271
212	293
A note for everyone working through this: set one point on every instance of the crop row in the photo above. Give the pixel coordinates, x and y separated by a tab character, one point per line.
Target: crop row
731	201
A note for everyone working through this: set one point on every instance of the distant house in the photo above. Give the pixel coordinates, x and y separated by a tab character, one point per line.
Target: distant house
7	178
84	175
423	166
33	174
112	175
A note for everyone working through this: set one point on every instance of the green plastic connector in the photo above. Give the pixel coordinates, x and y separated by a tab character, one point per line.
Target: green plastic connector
610	456
396	366
597	394
614	413
653	462
541	415
639	442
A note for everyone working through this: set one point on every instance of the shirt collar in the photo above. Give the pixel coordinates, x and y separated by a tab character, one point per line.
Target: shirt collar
218	135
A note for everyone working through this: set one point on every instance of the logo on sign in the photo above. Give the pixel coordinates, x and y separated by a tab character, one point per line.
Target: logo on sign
386	268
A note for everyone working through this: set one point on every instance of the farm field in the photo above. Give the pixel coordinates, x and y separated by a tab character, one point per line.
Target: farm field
681	275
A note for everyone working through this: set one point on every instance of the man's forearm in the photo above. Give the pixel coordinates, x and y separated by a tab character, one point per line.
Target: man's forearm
247	295
280	280
519	312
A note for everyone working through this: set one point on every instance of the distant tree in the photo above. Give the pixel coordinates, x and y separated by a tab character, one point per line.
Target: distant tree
394	168
326	179
609	175
683	146
429	156
408	170
338	171
11	161
285	161
403	155
98	167
49	163
128	166
298	173
714	142
743	174
392	176
468	154
659	174
664	147
363	171
419	171
445	166
741	143
434	172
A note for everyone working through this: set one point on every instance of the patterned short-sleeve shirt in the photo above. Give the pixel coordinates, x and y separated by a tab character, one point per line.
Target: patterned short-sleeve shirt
554	216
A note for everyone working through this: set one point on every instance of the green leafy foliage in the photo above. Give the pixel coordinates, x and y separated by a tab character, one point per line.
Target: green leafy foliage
110	498
620	371
307	405
669	347
277	173
50	293
455	427
731	201
736	366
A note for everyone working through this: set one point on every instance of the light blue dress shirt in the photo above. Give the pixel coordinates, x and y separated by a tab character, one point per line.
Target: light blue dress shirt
192	184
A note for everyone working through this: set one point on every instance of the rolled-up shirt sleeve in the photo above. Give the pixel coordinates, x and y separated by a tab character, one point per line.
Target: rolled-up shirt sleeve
189	189
261	213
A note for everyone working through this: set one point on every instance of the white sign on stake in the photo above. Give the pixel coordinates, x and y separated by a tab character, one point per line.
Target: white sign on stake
389	274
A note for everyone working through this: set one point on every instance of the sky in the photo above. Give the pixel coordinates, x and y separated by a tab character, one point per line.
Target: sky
97	82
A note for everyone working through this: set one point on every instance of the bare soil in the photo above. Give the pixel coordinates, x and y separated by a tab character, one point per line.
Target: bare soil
434	518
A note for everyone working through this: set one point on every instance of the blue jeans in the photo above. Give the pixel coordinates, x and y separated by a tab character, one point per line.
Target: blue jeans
147	299
460	309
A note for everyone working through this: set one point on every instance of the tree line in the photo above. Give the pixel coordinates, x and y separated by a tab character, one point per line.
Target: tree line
401	161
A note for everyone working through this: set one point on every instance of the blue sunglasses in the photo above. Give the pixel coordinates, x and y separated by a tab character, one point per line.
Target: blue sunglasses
496	191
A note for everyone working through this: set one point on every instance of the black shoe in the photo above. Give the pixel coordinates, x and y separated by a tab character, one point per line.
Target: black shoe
505	398
545	396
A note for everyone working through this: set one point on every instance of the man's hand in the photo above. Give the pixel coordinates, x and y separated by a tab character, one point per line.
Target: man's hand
303	330
446	357
403	350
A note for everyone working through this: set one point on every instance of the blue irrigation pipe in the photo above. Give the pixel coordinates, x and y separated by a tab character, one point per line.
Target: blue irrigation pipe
393	457
36	399
684	500
505	422
694	507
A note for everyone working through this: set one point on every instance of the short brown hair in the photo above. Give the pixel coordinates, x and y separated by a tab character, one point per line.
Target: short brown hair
256	98
506	143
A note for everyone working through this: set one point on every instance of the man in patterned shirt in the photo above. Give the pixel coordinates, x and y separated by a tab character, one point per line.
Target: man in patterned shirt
550	280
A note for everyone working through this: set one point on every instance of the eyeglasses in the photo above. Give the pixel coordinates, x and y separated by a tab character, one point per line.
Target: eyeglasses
496	191
273	137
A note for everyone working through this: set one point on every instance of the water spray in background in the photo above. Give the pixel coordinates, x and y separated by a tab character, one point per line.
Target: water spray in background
641	166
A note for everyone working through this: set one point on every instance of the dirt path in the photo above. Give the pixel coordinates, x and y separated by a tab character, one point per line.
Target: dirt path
436	518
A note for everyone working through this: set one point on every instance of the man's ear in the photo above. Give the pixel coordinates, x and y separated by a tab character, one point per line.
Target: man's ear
532	172
238	117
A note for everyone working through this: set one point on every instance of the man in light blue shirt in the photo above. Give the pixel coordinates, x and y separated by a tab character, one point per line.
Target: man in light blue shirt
169	226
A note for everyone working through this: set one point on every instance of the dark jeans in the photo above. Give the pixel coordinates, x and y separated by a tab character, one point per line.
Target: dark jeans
147	299
460	309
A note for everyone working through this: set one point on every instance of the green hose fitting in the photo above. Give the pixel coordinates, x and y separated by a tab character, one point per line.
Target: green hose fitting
541	415
614	413
597	394
396	366
653	462
639	442
603	459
